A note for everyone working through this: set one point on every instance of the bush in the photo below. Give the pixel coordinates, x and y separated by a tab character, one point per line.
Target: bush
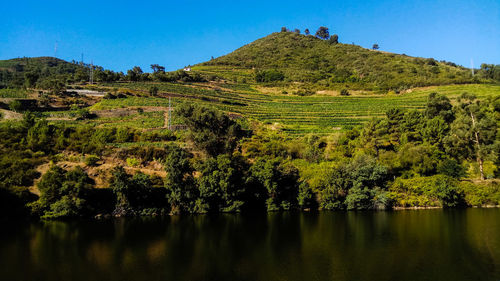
63	194
344	92
91	160
480	194
438	190
153	91
16	106
269	76
133	162
305	92
210	130
451	168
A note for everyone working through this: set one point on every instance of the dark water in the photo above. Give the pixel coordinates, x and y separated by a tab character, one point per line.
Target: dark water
400	245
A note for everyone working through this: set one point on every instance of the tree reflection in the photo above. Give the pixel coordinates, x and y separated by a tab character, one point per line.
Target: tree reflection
402	245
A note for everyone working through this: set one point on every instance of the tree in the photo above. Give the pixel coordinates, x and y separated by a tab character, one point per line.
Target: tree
121	185
284	29
179	181
394	119
63	194
473	132
334	188
334	39
490	71
297	31
134	74
270	75
306	31
157	68
30	79
210	130
55	85
221	184
439	105
279	179
153	90
323	33
375	47
368	180
16	106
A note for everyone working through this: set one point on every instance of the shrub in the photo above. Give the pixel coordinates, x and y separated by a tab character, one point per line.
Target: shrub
451	168
438	190
269	76
153	91
344	92
480	194
305	92
132	162
63	194
16	106
91	160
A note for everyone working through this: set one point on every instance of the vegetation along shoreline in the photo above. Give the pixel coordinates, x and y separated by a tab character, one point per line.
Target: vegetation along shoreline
288	122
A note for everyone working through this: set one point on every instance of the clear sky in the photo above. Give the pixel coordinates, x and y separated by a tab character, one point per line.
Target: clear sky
120	34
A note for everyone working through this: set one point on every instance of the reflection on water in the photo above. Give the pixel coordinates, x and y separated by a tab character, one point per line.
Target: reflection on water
402	245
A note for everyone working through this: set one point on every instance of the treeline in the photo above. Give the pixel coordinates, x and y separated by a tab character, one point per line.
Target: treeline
445	156
54	74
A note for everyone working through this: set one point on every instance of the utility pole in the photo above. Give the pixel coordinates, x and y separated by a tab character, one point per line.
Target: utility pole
472	66
91	75
169	114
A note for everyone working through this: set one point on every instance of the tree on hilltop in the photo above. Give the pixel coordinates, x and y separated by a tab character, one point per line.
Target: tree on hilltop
157	68
375	47
323	33
307	31
334	39
135	73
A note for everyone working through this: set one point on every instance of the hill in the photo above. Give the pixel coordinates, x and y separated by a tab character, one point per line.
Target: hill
302	58
17	72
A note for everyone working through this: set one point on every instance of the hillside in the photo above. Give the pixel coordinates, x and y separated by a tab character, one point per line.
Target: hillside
19	71
309	59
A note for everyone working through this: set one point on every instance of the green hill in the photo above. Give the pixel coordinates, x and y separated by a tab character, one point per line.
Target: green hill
302	58
16	72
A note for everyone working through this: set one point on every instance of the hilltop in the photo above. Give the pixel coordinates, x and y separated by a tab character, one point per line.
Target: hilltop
19	72
308	59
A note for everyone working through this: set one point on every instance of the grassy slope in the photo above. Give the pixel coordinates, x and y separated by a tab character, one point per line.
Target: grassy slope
295	114
308	59
301	58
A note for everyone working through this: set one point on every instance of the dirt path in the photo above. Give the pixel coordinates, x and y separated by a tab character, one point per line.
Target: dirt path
11	115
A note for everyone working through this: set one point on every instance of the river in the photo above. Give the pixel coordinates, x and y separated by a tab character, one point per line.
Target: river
384	245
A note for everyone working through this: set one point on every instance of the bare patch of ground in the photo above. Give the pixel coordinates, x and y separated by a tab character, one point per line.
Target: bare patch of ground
11	115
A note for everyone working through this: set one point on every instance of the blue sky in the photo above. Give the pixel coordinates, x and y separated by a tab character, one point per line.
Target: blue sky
120	34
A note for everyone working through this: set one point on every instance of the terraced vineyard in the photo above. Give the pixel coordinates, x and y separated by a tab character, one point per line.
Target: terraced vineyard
296	115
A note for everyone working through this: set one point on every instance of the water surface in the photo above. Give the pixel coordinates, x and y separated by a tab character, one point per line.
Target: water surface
399	245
